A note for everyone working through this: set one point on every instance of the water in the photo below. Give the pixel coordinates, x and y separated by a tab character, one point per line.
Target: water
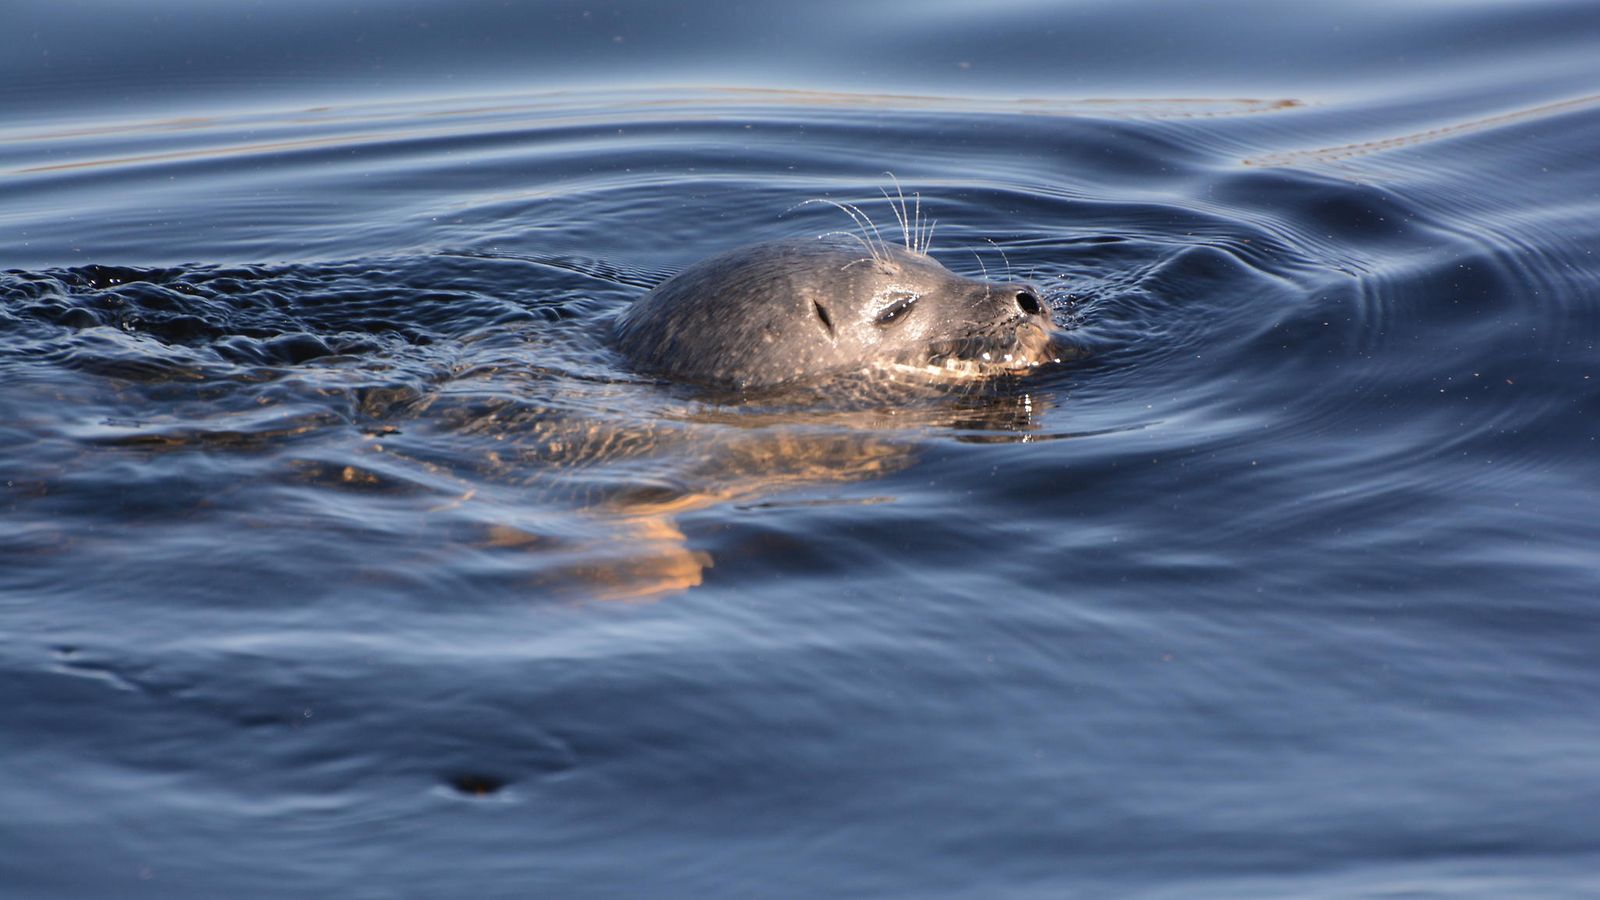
343	557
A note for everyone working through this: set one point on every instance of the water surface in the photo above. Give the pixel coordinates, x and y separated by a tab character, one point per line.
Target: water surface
342	555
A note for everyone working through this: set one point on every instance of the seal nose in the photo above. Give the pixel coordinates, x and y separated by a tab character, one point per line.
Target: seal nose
1028	302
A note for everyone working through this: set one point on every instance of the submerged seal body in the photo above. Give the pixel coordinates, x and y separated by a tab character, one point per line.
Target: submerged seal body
796	310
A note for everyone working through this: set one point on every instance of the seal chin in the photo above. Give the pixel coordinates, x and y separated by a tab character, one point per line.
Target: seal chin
1019	347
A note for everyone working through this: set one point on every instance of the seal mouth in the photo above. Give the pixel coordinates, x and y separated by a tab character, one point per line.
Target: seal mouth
1012	347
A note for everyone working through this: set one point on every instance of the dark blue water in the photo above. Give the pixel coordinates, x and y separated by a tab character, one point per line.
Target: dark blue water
340	554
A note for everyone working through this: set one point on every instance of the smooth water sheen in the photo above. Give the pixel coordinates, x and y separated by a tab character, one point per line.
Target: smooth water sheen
341	556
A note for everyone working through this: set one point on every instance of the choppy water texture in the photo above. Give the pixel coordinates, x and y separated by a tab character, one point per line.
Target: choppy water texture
341	556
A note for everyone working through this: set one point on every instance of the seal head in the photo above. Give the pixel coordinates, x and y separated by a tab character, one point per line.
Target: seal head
797	310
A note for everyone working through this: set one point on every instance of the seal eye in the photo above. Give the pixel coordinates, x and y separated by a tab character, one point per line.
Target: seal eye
1028	302
897	310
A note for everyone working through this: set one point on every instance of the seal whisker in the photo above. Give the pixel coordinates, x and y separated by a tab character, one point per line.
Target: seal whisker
904	214
899	216
865	245
900	211
918	195
981	266
1002	255
856	216
870	224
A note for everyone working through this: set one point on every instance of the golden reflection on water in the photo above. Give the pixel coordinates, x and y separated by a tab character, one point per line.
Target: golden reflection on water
549	111
1364	148
623	539
580	491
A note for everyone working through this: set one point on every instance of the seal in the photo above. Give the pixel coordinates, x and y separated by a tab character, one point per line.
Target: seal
807	309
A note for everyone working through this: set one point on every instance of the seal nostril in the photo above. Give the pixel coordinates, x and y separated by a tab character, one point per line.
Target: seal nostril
1028	302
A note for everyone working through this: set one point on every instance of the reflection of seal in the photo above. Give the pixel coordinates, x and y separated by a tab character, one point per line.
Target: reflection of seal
794	310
